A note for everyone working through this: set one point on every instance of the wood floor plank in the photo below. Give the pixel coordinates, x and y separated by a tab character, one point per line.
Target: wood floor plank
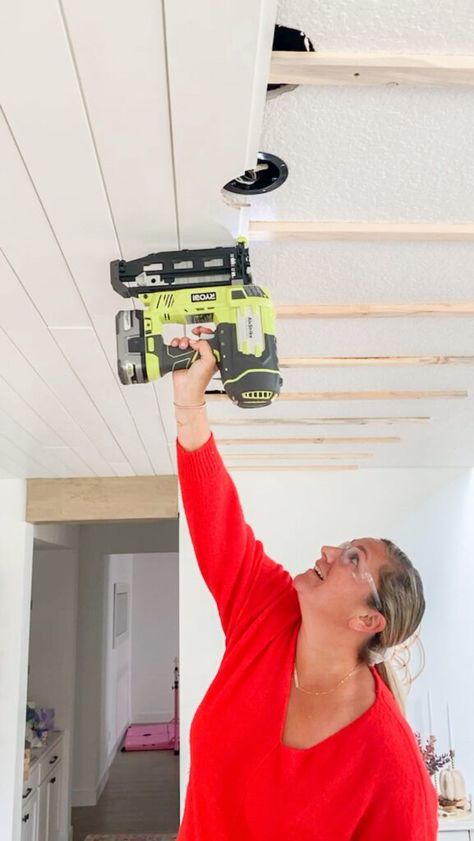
142	795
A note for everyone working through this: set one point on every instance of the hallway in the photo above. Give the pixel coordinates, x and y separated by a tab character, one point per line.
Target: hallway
141	796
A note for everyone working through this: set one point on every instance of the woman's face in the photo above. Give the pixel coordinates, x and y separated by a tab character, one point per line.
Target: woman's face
340	594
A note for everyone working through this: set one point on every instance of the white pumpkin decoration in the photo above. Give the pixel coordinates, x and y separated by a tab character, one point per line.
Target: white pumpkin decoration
451	783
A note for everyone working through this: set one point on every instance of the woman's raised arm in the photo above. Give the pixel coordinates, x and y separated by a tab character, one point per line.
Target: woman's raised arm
229	556
189	387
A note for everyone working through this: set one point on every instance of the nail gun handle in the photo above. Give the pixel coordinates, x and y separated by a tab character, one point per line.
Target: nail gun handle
175	359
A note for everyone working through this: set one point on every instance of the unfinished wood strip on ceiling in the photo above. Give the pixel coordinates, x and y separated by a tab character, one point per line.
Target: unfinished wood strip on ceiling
360	421
367	361
262	468
262	230
361	439
357	395
370	69
307	456
373	310
101	499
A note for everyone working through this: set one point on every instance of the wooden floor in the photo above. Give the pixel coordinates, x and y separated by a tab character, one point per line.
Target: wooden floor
142	795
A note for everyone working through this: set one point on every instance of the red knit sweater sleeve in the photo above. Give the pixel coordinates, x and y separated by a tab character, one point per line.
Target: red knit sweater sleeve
229	556
415	821
406	806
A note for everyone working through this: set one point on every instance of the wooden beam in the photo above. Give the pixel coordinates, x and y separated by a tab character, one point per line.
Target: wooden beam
373	310
262	230
345	421
346	361
105	499
361	439
370	69
286	396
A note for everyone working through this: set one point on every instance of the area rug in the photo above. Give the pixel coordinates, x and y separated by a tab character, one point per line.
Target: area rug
127	837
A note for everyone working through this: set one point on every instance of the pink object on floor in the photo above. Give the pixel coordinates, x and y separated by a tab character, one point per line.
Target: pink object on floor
164	736
151	737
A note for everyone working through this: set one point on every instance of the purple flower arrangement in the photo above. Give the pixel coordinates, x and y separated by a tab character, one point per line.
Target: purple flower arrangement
433	761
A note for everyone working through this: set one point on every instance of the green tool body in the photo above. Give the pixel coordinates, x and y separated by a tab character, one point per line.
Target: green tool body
201	286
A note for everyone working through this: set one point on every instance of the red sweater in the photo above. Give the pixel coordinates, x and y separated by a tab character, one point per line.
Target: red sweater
367	782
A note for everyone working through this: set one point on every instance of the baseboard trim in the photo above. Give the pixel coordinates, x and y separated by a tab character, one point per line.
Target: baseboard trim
83	797
103	781
152	718
90	796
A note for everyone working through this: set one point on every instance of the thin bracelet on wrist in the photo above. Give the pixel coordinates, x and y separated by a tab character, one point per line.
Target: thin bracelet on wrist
198	406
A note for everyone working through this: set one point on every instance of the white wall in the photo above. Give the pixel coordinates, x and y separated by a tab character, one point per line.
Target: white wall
116	664
154	635
429	513
52	652
16	549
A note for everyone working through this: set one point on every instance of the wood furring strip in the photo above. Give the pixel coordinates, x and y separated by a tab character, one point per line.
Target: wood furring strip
373	310
348	361
321	231
292	396
361	439
362	69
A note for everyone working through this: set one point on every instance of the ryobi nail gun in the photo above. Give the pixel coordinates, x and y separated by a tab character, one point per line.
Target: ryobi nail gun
192	287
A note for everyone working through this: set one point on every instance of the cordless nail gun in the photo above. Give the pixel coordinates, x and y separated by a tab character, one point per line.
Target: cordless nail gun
195	287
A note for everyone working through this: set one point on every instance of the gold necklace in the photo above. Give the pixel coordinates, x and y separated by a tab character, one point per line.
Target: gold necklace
327	691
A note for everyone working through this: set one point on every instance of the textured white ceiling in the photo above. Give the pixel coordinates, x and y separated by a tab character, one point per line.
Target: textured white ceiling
377	153
413	26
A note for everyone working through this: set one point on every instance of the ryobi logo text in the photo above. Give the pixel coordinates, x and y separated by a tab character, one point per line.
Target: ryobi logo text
203	296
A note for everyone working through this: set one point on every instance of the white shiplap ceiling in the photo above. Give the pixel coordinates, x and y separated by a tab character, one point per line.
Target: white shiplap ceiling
120	125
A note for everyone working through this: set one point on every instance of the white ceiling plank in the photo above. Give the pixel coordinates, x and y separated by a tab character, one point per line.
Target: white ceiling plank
219	57
119	53
86	357
141	400
22	440
4	474
58	151
46	357
164	396
29	243
147	411
75	465
48	82
27	417
36	393
21	463
122	468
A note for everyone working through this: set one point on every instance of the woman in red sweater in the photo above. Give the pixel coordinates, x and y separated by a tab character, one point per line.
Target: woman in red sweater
300	735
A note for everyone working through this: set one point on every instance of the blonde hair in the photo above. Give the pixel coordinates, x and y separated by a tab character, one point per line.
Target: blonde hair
403	604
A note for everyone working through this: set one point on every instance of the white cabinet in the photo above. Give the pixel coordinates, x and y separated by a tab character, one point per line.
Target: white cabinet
29	818
43	793
456	829
49	803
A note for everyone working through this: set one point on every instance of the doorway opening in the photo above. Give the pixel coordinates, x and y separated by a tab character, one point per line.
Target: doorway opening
104	647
